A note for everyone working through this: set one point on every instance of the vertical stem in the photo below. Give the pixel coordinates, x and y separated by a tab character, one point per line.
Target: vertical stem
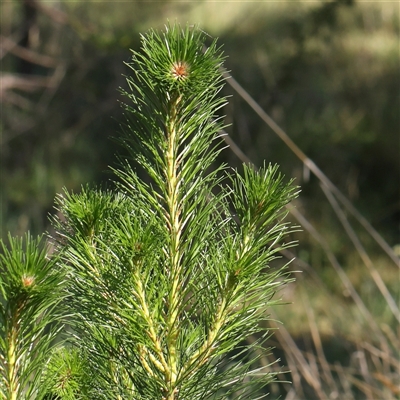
175	231
12	395
12	369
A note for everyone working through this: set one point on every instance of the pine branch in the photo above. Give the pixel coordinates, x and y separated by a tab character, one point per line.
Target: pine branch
167	279
31	316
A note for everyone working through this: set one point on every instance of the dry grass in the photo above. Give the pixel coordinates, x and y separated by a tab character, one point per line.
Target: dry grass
340	337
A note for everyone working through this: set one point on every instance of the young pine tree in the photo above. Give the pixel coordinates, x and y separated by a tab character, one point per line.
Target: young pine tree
168	277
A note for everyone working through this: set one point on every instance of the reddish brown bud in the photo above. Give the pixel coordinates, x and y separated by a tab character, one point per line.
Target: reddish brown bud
180	70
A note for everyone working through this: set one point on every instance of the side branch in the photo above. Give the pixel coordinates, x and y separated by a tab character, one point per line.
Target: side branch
159	361
202	355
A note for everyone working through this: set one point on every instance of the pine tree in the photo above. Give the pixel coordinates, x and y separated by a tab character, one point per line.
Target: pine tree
168	276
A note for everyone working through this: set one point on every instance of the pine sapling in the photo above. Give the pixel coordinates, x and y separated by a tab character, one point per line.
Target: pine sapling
169	277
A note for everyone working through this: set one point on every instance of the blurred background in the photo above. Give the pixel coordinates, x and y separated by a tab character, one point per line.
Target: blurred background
314	88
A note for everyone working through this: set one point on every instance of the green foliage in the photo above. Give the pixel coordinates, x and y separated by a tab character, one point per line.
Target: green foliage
167	276
31	289
67	375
